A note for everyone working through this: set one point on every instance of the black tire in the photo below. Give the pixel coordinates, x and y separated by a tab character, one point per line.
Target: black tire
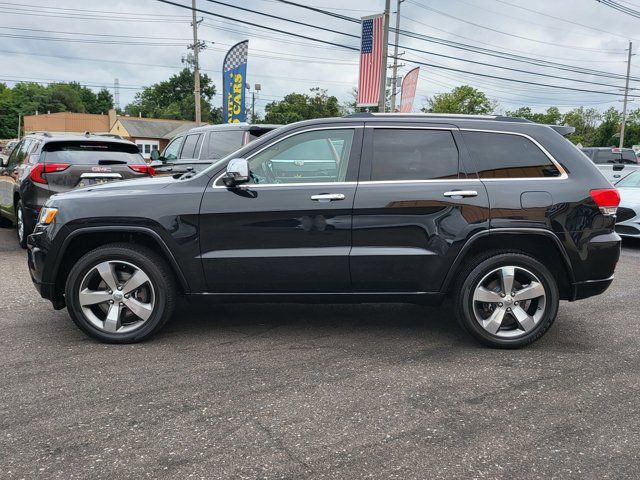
475	271
160	277
23	225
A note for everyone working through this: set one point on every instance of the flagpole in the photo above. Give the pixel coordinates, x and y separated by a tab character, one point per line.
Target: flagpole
385	47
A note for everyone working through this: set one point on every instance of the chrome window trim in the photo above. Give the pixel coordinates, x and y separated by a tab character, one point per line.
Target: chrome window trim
340	127
563	174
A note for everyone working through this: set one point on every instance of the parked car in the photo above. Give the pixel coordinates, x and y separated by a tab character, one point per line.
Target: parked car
628	215
614	163
42	165
195	149
504	216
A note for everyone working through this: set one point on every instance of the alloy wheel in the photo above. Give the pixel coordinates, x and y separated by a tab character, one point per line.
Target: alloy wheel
20	224
117	296
509	301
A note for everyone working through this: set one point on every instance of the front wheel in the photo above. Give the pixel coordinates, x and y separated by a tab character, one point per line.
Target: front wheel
506	300
120	293
22	227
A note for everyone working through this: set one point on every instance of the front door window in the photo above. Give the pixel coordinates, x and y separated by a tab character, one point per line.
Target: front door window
311	157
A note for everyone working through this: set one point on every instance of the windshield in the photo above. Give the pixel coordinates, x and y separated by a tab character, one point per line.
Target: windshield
92	153
630	181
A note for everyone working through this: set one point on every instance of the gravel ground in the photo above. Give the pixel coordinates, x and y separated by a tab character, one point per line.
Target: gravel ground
344	392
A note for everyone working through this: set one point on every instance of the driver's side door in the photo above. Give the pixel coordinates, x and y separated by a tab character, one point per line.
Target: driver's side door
289	229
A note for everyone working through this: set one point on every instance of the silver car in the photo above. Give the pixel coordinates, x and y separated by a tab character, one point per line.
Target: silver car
628	214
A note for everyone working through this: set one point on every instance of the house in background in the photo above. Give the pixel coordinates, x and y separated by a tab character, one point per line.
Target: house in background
147	133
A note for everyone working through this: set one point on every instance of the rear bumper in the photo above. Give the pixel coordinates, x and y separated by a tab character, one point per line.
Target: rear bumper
590	288
597	265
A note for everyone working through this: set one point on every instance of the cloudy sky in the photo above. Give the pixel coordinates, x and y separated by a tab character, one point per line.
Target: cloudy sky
142	42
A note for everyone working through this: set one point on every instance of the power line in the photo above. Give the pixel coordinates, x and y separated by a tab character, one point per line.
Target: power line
572	47
620	8
466	47
272	29
356	49
566	20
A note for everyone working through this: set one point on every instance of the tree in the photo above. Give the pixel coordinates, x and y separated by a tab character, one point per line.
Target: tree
174	99
464	99
301	106
551	117
608	132
585	121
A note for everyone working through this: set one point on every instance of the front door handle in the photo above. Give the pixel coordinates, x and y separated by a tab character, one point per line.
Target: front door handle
461	193
327	197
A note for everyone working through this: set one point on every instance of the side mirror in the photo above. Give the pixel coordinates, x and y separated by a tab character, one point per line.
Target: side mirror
155	155
237	172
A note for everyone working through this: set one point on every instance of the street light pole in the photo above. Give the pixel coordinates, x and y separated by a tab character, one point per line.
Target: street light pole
626	97
196	64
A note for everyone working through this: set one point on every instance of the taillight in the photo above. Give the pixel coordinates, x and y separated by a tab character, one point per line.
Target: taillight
143	169
41	168
607	200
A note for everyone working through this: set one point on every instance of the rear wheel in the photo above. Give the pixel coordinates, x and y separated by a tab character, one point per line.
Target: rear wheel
506	299
120	293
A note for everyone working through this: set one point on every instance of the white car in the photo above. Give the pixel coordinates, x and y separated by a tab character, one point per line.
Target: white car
628	214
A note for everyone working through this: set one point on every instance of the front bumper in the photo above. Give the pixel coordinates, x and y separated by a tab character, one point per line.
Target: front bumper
37	248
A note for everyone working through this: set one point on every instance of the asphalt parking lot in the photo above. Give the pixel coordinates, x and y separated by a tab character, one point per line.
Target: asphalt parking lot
345	392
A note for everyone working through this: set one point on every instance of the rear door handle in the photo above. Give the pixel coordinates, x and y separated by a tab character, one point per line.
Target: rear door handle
327	197
461	193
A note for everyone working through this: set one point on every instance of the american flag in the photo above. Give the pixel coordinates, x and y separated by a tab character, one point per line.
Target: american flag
370	61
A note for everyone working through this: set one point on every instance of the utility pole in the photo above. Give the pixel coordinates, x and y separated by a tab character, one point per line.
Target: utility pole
19	121
385	50
626	96
394	77
196	64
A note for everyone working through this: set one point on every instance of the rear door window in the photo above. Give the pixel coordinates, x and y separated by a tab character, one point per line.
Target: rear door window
503	155
414	154
191	147
221	144
91	153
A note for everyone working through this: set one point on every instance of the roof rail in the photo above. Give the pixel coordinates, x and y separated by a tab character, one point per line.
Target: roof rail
43	133
500	118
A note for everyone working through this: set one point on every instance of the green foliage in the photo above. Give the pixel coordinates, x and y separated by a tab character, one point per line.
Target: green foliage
29	98
301	106
174	99
463	99
551	117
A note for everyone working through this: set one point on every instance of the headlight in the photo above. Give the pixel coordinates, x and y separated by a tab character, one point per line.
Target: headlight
47	214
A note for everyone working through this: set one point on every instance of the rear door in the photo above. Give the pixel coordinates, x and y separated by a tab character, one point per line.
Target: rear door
8	178
415	207
73	164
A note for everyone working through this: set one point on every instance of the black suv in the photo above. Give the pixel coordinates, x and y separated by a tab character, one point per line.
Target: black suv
503	215
196	149
44	164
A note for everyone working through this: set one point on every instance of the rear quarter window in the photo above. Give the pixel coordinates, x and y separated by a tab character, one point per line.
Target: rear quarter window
221	144
504	155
